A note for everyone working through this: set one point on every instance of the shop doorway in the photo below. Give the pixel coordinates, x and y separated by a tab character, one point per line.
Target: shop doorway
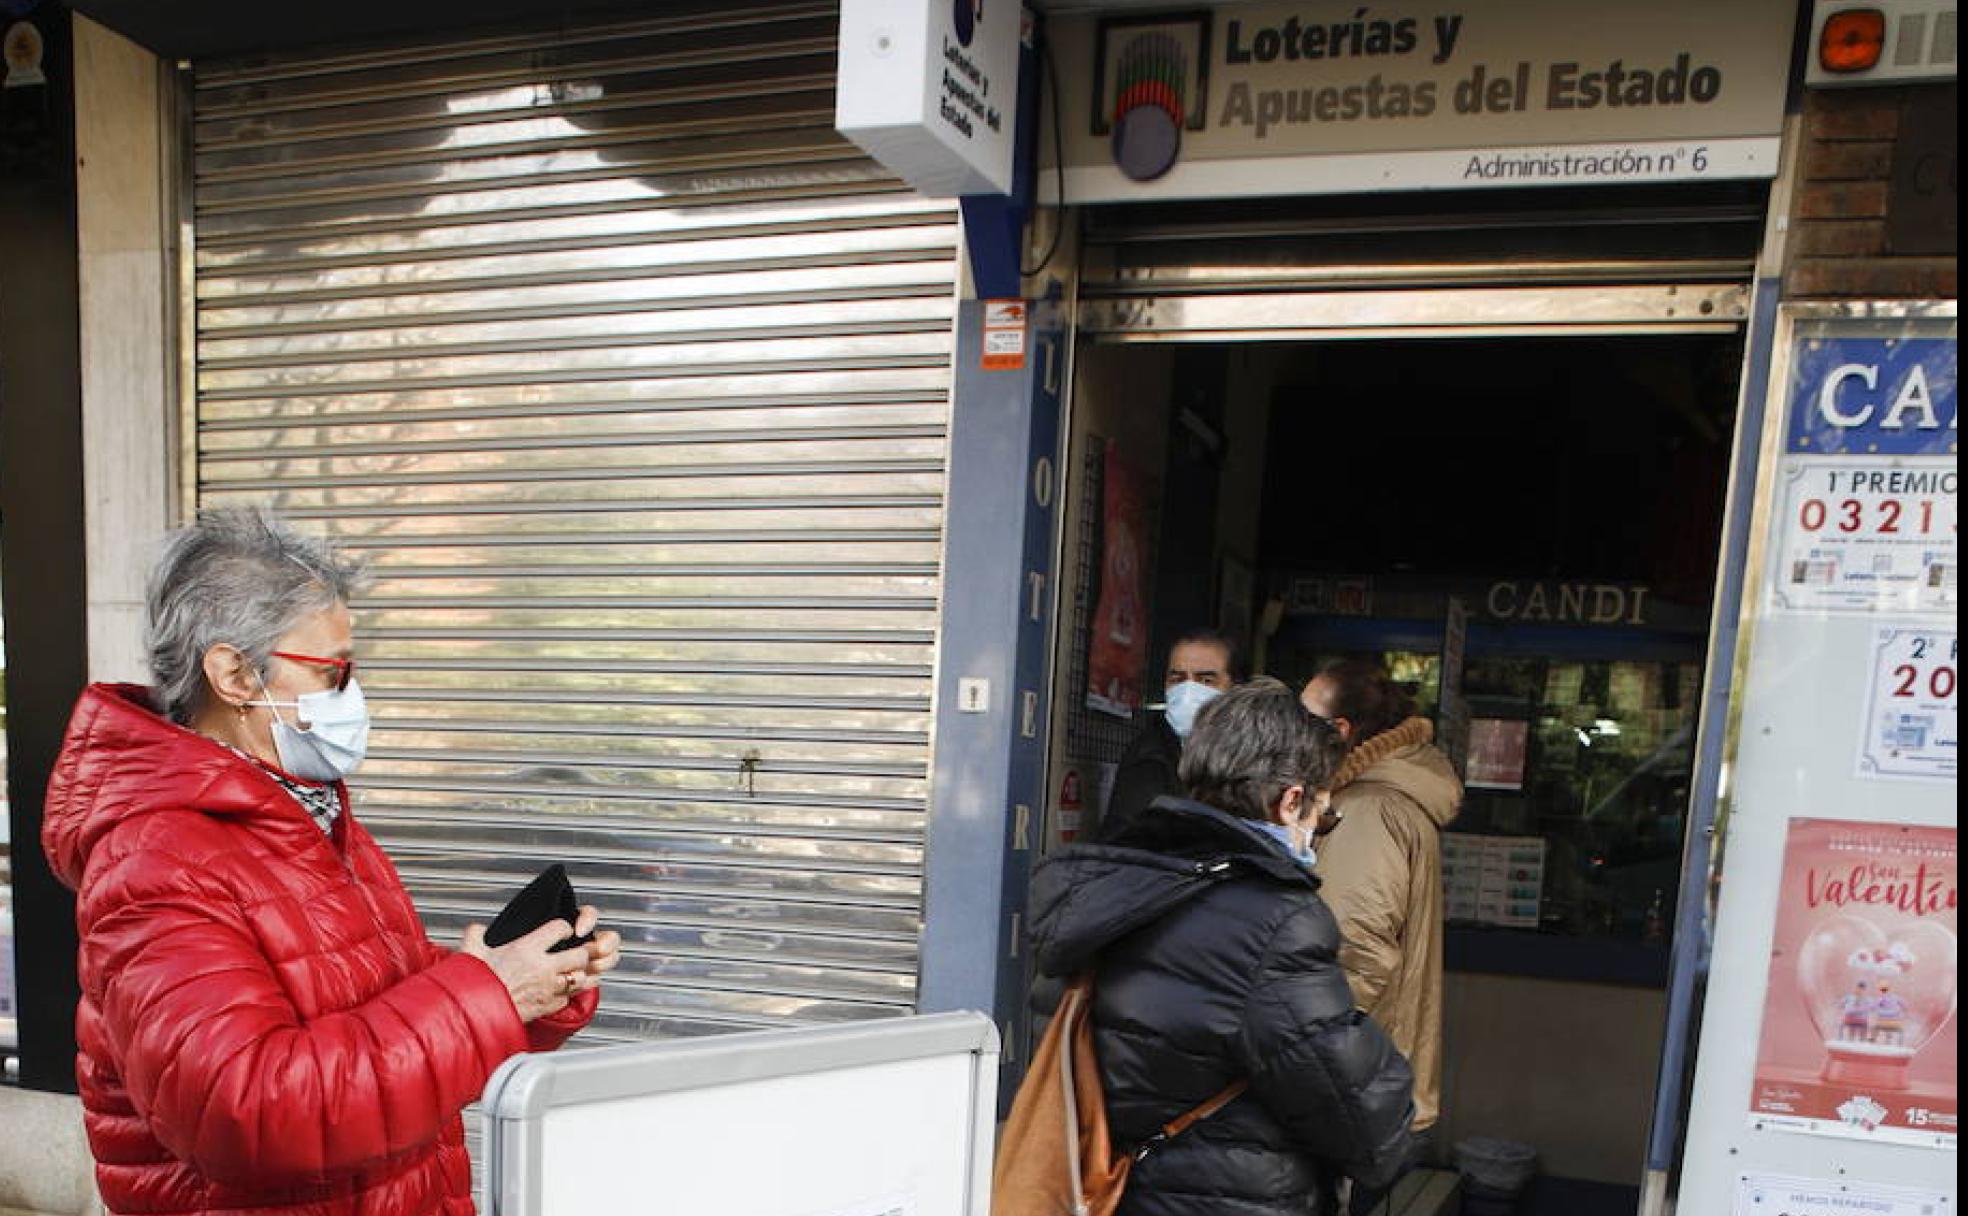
1539	518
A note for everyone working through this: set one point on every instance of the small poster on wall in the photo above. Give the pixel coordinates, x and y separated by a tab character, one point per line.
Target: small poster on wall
1910	728
1118	649
1868	537
1858	1037
1493	880
1497	747
1764	1195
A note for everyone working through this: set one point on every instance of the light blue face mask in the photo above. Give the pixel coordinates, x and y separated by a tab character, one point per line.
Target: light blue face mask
335	739
1304	855
1183	702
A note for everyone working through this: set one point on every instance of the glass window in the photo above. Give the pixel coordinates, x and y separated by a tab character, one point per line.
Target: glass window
1593	757
1607	751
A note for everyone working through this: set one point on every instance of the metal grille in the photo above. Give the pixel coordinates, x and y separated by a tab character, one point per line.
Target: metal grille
1091	736
631	378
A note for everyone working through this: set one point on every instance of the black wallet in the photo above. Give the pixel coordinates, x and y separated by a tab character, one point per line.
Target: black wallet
548	897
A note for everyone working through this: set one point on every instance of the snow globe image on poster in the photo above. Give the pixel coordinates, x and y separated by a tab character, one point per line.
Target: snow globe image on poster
1876	999
1858	1035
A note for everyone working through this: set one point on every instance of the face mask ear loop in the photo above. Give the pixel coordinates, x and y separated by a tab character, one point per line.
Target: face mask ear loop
270	703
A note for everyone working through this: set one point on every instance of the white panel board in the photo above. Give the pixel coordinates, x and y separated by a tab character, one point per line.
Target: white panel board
1811	669
893	1118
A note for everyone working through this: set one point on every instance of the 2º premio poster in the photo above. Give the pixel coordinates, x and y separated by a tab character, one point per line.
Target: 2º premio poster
1858	1033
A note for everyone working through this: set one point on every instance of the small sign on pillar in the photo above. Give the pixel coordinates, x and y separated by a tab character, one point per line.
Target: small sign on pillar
1004	336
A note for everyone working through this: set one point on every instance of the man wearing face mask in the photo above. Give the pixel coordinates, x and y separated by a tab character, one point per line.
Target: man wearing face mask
1201	667
264	1026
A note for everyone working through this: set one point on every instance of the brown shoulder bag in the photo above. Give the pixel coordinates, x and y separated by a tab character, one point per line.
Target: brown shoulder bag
1055	1157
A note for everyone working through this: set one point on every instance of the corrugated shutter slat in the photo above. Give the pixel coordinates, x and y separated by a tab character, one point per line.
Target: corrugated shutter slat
632	379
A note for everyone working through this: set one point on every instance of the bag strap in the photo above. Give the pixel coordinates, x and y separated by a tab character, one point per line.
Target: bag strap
1188	1119
1230	1093
1071	1008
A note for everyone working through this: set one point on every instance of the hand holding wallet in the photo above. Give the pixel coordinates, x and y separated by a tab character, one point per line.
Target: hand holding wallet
548	897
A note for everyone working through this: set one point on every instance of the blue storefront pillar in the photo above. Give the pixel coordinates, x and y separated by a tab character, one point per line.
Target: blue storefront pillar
992	699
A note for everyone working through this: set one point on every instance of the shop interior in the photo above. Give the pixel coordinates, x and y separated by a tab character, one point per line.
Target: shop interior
1562	496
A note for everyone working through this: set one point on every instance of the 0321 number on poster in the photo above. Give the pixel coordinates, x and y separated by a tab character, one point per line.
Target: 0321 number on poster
1910	727
1868	538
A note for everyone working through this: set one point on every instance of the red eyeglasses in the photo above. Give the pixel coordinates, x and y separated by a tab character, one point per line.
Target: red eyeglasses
344	668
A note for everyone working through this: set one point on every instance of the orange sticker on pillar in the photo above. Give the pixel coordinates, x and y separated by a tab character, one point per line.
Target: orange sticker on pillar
1004	336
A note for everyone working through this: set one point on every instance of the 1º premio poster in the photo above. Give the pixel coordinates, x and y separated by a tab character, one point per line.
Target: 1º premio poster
1858	1035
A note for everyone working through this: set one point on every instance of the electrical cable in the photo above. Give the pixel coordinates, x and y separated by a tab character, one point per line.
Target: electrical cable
1058	160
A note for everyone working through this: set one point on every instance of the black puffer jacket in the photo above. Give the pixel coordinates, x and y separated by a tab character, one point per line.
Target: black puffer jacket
1147	771
1216	960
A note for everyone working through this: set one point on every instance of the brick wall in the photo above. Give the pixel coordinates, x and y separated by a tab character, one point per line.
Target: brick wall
1838	243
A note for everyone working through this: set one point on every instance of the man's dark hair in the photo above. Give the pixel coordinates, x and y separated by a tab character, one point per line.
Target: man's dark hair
1365	695
1203	635
1251	744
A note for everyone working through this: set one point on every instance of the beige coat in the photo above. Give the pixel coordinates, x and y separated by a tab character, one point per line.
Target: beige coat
1382	874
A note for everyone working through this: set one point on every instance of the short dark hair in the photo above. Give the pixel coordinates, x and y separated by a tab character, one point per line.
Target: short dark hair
1203	635
1251	744
1367	696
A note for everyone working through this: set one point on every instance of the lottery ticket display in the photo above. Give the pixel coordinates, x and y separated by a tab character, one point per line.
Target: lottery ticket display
1493	880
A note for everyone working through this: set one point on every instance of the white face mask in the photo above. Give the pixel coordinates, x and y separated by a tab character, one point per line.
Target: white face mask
336	737
1183	702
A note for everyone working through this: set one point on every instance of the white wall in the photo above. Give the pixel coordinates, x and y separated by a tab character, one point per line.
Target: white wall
128	277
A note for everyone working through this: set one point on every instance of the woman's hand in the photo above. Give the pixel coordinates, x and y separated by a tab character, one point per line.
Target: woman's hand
602	953
539	981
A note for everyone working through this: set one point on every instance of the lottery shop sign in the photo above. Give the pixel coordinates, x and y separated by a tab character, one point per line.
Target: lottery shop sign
1295	97
1873	396
1869	476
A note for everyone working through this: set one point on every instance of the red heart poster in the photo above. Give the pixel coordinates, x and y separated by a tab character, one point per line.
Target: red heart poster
1859	1022
1118	650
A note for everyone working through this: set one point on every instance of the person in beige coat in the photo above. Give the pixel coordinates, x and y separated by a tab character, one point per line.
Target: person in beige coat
1380	864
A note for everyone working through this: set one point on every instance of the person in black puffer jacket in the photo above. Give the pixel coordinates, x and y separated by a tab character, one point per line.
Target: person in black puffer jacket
1215	960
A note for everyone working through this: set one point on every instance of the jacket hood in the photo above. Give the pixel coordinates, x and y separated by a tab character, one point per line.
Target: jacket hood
1088	896
122	758
1406	759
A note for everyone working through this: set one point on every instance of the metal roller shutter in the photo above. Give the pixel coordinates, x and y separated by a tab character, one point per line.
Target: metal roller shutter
632	378
1658	259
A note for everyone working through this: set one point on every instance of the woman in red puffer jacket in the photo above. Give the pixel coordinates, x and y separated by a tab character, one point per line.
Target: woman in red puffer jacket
264	1026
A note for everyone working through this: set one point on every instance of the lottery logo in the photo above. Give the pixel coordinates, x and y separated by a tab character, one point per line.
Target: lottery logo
969	14
1152	86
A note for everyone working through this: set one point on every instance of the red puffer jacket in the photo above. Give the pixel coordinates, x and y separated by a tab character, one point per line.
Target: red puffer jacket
264	1026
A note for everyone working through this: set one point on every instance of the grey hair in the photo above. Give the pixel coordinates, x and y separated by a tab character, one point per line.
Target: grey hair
237	577
1253	743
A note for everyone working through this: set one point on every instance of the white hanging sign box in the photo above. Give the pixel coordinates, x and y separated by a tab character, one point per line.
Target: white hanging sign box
930	89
